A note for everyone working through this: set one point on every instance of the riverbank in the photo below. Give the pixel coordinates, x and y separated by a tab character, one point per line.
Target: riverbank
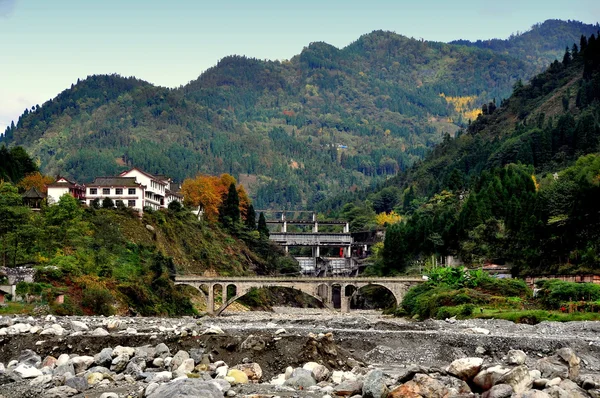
275	341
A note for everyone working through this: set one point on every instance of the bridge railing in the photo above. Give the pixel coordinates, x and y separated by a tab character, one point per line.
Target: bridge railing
310	239
190	278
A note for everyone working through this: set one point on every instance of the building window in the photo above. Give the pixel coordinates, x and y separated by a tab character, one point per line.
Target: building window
131	203
131	191
119	191
93	191
105	191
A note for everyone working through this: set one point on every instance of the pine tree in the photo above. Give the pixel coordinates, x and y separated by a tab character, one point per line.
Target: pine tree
229	214
262	226
251	218
567	57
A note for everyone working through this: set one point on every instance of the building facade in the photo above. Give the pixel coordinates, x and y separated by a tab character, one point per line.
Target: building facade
62	186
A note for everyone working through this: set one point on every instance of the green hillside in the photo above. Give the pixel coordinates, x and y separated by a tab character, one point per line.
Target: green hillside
326	121
519	186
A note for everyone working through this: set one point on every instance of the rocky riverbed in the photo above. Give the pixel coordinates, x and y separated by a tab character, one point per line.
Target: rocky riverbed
295	353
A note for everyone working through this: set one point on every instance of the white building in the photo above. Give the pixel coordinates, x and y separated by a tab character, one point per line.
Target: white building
62	186
124	189
159	190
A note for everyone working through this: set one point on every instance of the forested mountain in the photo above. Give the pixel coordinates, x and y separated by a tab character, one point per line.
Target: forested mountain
327	121
519	186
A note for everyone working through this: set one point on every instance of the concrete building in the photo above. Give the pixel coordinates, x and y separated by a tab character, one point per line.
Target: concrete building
62	186
124	189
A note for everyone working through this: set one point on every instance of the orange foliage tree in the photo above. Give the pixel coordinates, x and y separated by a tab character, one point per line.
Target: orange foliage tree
37	180
209	191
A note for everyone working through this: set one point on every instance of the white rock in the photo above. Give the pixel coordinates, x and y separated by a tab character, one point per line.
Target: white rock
213	330
19	328
280	331
319	372
3	332
465	368
288	372
151	387
79	326
120	350
477	331
27	372
109	395
82	363
35	329
337	376
271	325
221	372
162	377
516	357
41	380
131	331
100	332
50	318
63	359
278	380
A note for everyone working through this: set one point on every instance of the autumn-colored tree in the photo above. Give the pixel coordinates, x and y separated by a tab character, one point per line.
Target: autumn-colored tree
210	191
37	180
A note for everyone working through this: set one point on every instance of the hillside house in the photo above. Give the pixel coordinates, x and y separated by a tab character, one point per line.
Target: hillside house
62	186
124	189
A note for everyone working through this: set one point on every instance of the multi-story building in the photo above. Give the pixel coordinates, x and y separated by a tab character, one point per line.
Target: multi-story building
62	186
134	188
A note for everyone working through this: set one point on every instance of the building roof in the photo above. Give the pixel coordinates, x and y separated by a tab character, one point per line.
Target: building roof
114	182
169	192
33	193
153	177
68	183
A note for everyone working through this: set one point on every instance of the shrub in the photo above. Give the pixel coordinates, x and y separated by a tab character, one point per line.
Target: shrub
99	301
467	310
555	292
108	203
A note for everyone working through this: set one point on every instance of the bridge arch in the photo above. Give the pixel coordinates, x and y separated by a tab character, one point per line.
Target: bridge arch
398	294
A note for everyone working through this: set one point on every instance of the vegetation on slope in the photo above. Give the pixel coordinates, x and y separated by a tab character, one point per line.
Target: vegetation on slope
519	186
297	131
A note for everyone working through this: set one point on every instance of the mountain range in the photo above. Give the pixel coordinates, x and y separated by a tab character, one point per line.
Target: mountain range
294	132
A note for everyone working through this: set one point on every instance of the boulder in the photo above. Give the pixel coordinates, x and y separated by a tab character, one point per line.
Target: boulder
49	362
213	330
551	368
119	363
179	358
41	380
252	370
161	377
62	370
465	368
568	355
30	358
196	354
109	395
374	385
516	357
27	371
78	383
301	379
162	351
104	357
186	388
238	376
518	378
408	373
99	332
187	366
498	391
63	359
94	378
489	377
79	326
348	388
255	343
572	389
556	392
420	386
133	370
82	363
534	394
120	350
319	372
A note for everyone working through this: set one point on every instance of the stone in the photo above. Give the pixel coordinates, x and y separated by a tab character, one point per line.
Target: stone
82	363
319	372
63	359
221	372
109	395
133	370
480	350
420	386
104	357
49	362
79	326
465	368
498	391
280	331
255	343
551	368
54	330
186	388
187	366
27	371
516	357
78	383
477	331
120	350
489	377
278	380
41	380
18	328
94	378
179	358
62	370
568	355
29	357
572	389
408	373
114	324
348	388
374	385
162	351
60	392
535	374
100	332
238	376
161	377
221	385
518	378
119	363
556	392
158	362
196	354
300	379
252	370
534	394
539	384
213	330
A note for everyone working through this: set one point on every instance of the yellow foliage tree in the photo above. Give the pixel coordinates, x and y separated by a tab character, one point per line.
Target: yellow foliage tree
37	180
389	219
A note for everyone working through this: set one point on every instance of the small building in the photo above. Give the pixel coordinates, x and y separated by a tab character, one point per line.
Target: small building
155	187
33	198
62	186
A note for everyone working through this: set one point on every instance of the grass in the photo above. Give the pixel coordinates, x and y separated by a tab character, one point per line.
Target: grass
12	307
536	316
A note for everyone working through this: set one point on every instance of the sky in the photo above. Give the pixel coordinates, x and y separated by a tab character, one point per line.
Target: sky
46	45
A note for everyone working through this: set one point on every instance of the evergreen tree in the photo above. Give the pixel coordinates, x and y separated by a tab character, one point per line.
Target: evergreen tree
567	57
251	218
230	211
108	203
262	226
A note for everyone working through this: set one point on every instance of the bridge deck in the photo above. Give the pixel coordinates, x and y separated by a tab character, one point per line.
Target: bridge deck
310	239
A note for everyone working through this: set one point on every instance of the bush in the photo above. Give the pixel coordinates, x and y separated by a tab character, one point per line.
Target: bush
108	203
555	292
99	301
467	310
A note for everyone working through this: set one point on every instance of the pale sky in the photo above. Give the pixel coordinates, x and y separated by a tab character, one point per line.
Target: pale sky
46	45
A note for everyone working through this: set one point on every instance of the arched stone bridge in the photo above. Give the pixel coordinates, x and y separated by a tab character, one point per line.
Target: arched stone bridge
323	289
